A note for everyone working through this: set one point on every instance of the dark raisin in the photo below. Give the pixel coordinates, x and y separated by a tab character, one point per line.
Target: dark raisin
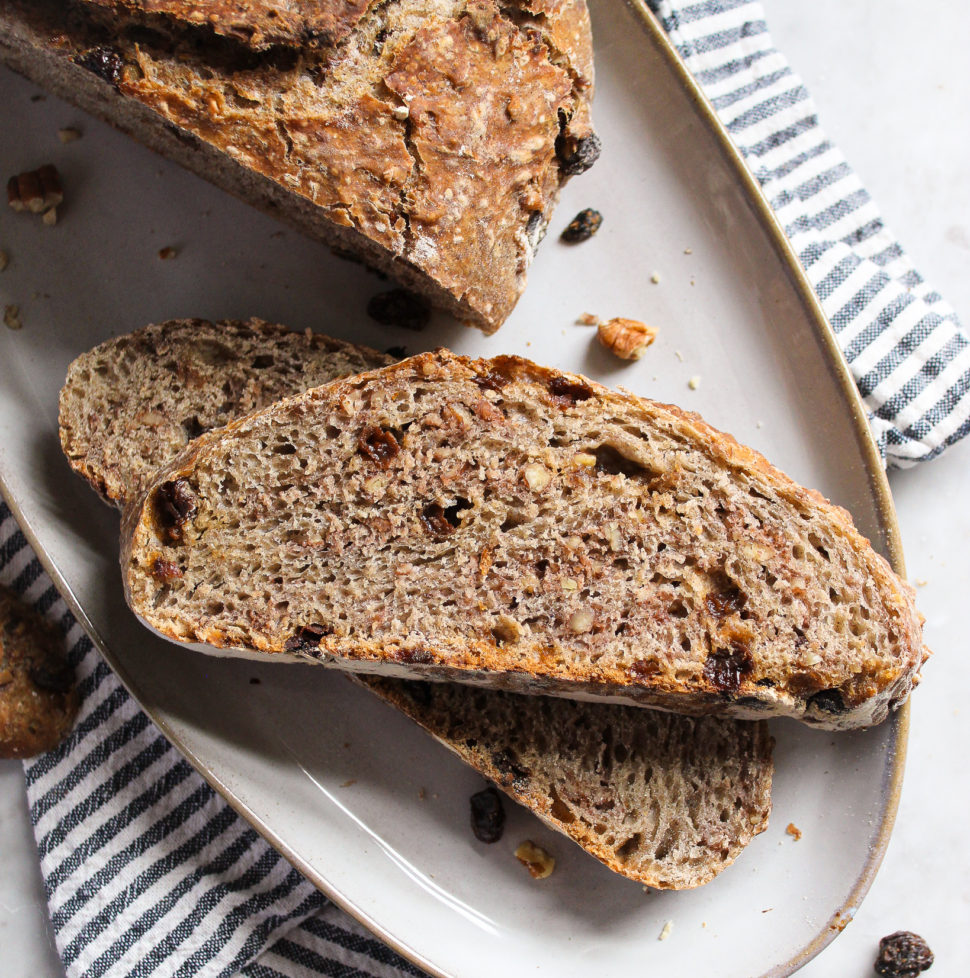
508	768
433	520
52	677
582	227
725	668
307	638
827	701
398	352
165	570
488	815
492	381
418	655
769	683
175	505
379	445
566	392
263	361
399	308
727	600
103	62
643	669
577	155
903	955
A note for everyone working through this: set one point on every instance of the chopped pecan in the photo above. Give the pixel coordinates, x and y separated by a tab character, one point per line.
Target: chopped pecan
627	338
37	191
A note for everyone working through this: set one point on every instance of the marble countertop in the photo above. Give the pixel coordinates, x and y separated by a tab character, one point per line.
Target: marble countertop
892	83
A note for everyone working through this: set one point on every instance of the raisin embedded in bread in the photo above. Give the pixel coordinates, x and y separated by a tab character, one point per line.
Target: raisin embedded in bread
428	137
131	404
667	800
662	799
499	523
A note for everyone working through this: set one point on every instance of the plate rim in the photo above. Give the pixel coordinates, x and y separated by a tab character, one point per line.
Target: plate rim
875	474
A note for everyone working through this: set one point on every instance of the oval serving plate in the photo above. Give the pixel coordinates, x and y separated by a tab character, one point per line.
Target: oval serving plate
326	773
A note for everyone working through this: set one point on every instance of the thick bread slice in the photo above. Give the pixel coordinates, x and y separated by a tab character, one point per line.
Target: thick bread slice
430	139
663	799
130	405
499	523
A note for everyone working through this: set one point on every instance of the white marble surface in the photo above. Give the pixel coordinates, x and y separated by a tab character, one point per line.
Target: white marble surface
892	82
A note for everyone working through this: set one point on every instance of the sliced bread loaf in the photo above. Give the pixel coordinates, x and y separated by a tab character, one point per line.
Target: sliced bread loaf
500	523
131	404
662	799
427	137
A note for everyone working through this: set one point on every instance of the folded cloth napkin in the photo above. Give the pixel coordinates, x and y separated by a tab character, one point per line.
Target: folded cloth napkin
149	872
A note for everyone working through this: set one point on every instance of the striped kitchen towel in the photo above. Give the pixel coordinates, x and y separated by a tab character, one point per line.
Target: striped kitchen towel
148	872
904	344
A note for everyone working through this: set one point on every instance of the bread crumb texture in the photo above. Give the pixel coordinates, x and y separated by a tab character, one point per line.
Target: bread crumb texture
393	522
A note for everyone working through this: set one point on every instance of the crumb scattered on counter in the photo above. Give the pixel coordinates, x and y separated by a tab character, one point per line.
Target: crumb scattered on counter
794	831
68	134
422	794
11	317
655	278
921	582
167	253
665	933
588	319
694	382
50	217
688	251
536	860
679	355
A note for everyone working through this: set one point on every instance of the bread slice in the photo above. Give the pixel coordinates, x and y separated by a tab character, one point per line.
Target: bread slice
427	137
500	523
662	799
131	404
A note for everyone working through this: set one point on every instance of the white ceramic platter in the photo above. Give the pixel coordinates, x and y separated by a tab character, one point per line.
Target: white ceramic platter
732	311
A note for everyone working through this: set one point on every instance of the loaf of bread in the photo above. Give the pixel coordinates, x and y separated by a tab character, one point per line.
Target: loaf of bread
662	799
500	523
427	137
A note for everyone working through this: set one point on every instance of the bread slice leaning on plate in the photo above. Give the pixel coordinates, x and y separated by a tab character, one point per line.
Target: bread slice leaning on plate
666	800
499	523
427	137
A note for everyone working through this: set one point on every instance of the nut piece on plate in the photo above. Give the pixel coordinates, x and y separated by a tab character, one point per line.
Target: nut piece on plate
535	859
37	191
627	338
903	955
38	700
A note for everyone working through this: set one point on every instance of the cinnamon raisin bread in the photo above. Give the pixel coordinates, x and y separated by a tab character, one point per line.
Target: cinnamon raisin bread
662	799
131	404
500	523
428	137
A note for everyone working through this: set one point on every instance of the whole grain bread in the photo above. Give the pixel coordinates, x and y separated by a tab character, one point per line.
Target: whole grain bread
131	404
666	800
499	523
663	799
427	137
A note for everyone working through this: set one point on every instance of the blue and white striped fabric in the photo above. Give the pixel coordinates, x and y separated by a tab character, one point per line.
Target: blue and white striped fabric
148	872
905	347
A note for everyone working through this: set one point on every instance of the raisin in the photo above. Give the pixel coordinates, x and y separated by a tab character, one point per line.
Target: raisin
52	677
492	381
379	445
727	600
399	308
903	955
577	155
488	815
103	62
414	655
174	506
725	668
433	520
307	638
582	227
643	669
828	701
566	392
165	570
